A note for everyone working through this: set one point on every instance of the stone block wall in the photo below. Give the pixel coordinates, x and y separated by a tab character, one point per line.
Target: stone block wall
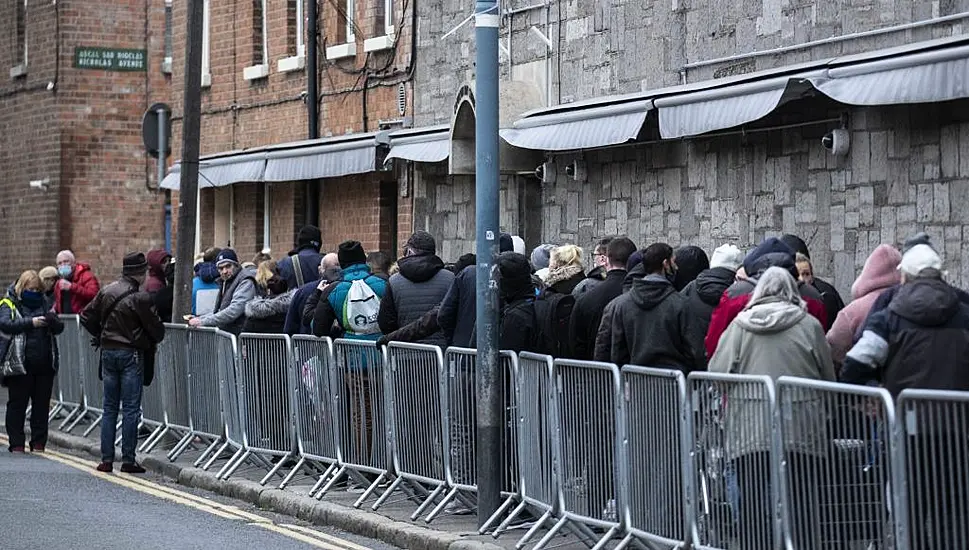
907	170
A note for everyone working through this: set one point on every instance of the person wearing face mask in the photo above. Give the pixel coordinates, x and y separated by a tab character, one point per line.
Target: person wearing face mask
77	287
48	279
650	324
27	313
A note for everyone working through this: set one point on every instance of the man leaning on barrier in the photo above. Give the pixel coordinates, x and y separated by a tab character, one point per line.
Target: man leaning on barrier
126	326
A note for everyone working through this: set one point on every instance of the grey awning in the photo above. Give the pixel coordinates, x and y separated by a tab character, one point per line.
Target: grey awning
327	158
924	77
425	145
582	128
223	170
718	108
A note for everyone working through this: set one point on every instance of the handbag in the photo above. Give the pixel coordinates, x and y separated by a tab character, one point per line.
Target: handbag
13	355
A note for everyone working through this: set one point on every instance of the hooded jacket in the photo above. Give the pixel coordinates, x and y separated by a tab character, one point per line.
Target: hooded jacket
921	340
418	287
84	287
456	316
40	345
230	313
268	315
588	310
309	263
648	327
879	274
205	288
702	296
155	280
332	301
775	339
563	280
770	253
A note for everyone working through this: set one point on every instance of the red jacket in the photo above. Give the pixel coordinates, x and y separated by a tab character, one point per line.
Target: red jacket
84	287
735	299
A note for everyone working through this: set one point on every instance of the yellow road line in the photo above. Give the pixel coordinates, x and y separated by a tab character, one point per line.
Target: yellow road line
226	511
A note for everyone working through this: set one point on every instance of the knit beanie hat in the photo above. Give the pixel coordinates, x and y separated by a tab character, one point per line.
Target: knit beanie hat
919	258
227	255
309	237
422	241
541	255
727	256
351	253
515	275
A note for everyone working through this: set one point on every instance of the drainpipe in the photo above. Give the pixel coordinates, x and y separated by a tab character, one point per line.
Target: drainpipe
312	190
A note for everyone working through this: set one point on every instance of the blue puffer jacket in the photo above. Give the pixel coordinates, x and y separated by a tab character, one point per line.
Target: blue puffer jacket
331	305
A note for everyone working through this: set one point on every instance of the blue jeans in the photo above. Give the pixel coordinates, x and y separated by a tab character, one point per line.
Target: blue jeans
121	372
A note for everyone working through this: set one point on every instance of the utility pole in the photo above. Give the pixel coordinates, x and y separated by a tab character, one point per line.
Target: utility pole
489	385
312	190
189	182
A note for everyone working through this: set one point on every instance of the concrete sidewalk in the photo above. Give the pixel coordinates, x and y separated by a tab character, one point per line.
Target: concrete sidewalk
391	523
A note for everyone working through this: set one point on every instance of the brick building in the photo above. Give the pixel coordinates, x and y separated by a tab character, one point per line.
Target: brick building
76	77
257	163
701	122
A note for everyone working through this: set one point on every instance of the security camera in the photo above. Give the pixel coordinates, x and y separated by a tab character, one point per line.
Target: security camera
576	170
40	184
837	142
545	173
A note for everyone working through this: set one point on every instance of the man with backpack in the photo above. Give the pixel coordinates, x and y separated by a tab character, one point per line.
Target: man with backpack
354	302
299	268
649	325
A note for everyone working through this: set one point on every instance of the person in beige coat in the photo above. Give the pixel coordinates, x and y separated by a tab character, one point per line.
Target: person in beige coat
775	336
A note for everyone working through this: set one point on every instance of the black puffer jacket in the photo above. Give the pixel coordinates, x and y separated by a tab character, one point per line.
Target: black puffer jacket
702	296
587	313
649	327
40	346
418	288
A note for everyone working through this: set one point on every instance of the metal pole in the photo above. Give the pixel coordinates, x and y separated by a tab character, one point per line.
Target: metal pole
312	192
188	185
162	144
489	388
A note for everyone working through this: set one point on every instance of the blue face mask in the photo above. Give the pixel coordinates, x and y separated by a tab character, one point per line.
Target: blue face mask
64	271
32	298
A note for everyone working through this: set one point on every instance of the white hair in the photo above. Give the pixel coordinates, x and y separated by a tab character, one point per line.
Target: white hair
776	285
67	254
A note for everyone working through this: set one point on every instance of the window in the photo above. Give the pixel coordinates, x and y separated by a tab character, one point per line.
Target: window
206	23
20	55
295	33
167	61
260	43
383	27
345	43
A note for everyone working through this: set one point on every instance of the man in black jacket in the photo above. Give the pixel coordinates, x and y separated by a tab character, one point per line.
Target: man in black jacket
704	293
648	326
518	322
456	315
127	325
587	313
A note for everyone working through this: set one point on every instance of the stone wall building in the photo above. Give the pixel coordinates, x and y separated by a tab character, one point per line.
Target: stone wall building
75	78
738	171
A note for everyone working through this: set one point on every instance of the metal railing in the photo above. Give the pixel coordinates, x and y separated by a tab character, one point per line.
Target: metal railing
714	461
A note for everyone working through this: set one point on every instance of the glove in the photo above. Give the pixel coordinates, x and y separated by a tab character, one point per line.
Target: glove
383	340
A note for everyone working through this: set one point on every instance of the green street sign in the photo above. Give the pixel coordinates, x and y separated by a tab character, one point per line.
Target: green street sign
110	59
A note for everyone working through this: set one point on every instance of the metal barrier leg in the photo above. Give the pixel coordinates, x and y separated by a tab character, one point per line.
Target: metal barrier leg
535	529
383	498
233	464
289	477
153	440
511	517
58	407
427	502
181	446
206	451
498	513
551	534
67	420
606	538
77	420
275	469
213	458
440	507
323	478
95	424
336	477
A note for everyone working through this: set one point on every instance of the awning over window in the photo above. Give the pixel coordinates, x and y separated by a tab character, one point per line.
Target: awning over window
219	171
326	158
609	122
925	77
422	145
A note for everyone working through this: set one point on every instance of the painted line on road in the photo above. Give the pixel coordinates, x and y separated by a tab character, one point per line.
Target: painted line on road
225	511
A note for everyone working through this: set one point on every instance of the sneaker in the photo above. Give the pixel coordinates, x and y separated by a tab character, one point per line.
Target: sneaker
38	448
106	467
132	468
17	450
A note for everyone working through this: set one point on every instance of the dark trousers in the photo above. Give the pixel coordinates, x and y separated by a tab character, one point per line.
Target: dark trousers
35	389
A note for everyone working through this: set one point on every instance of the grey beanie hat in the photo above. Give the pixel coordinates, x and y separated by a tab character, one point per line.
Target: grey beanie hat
541	255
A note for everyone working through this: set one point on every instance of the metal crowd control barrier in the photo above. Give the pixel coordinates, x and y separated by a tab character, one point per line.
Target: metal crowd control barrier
90	365
736	459
69	375
414	420
460	413
266	365
837	464
316	416
171	375
228	372
585	402
153	397
537	437
656	436
933	476
205	409
358	379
